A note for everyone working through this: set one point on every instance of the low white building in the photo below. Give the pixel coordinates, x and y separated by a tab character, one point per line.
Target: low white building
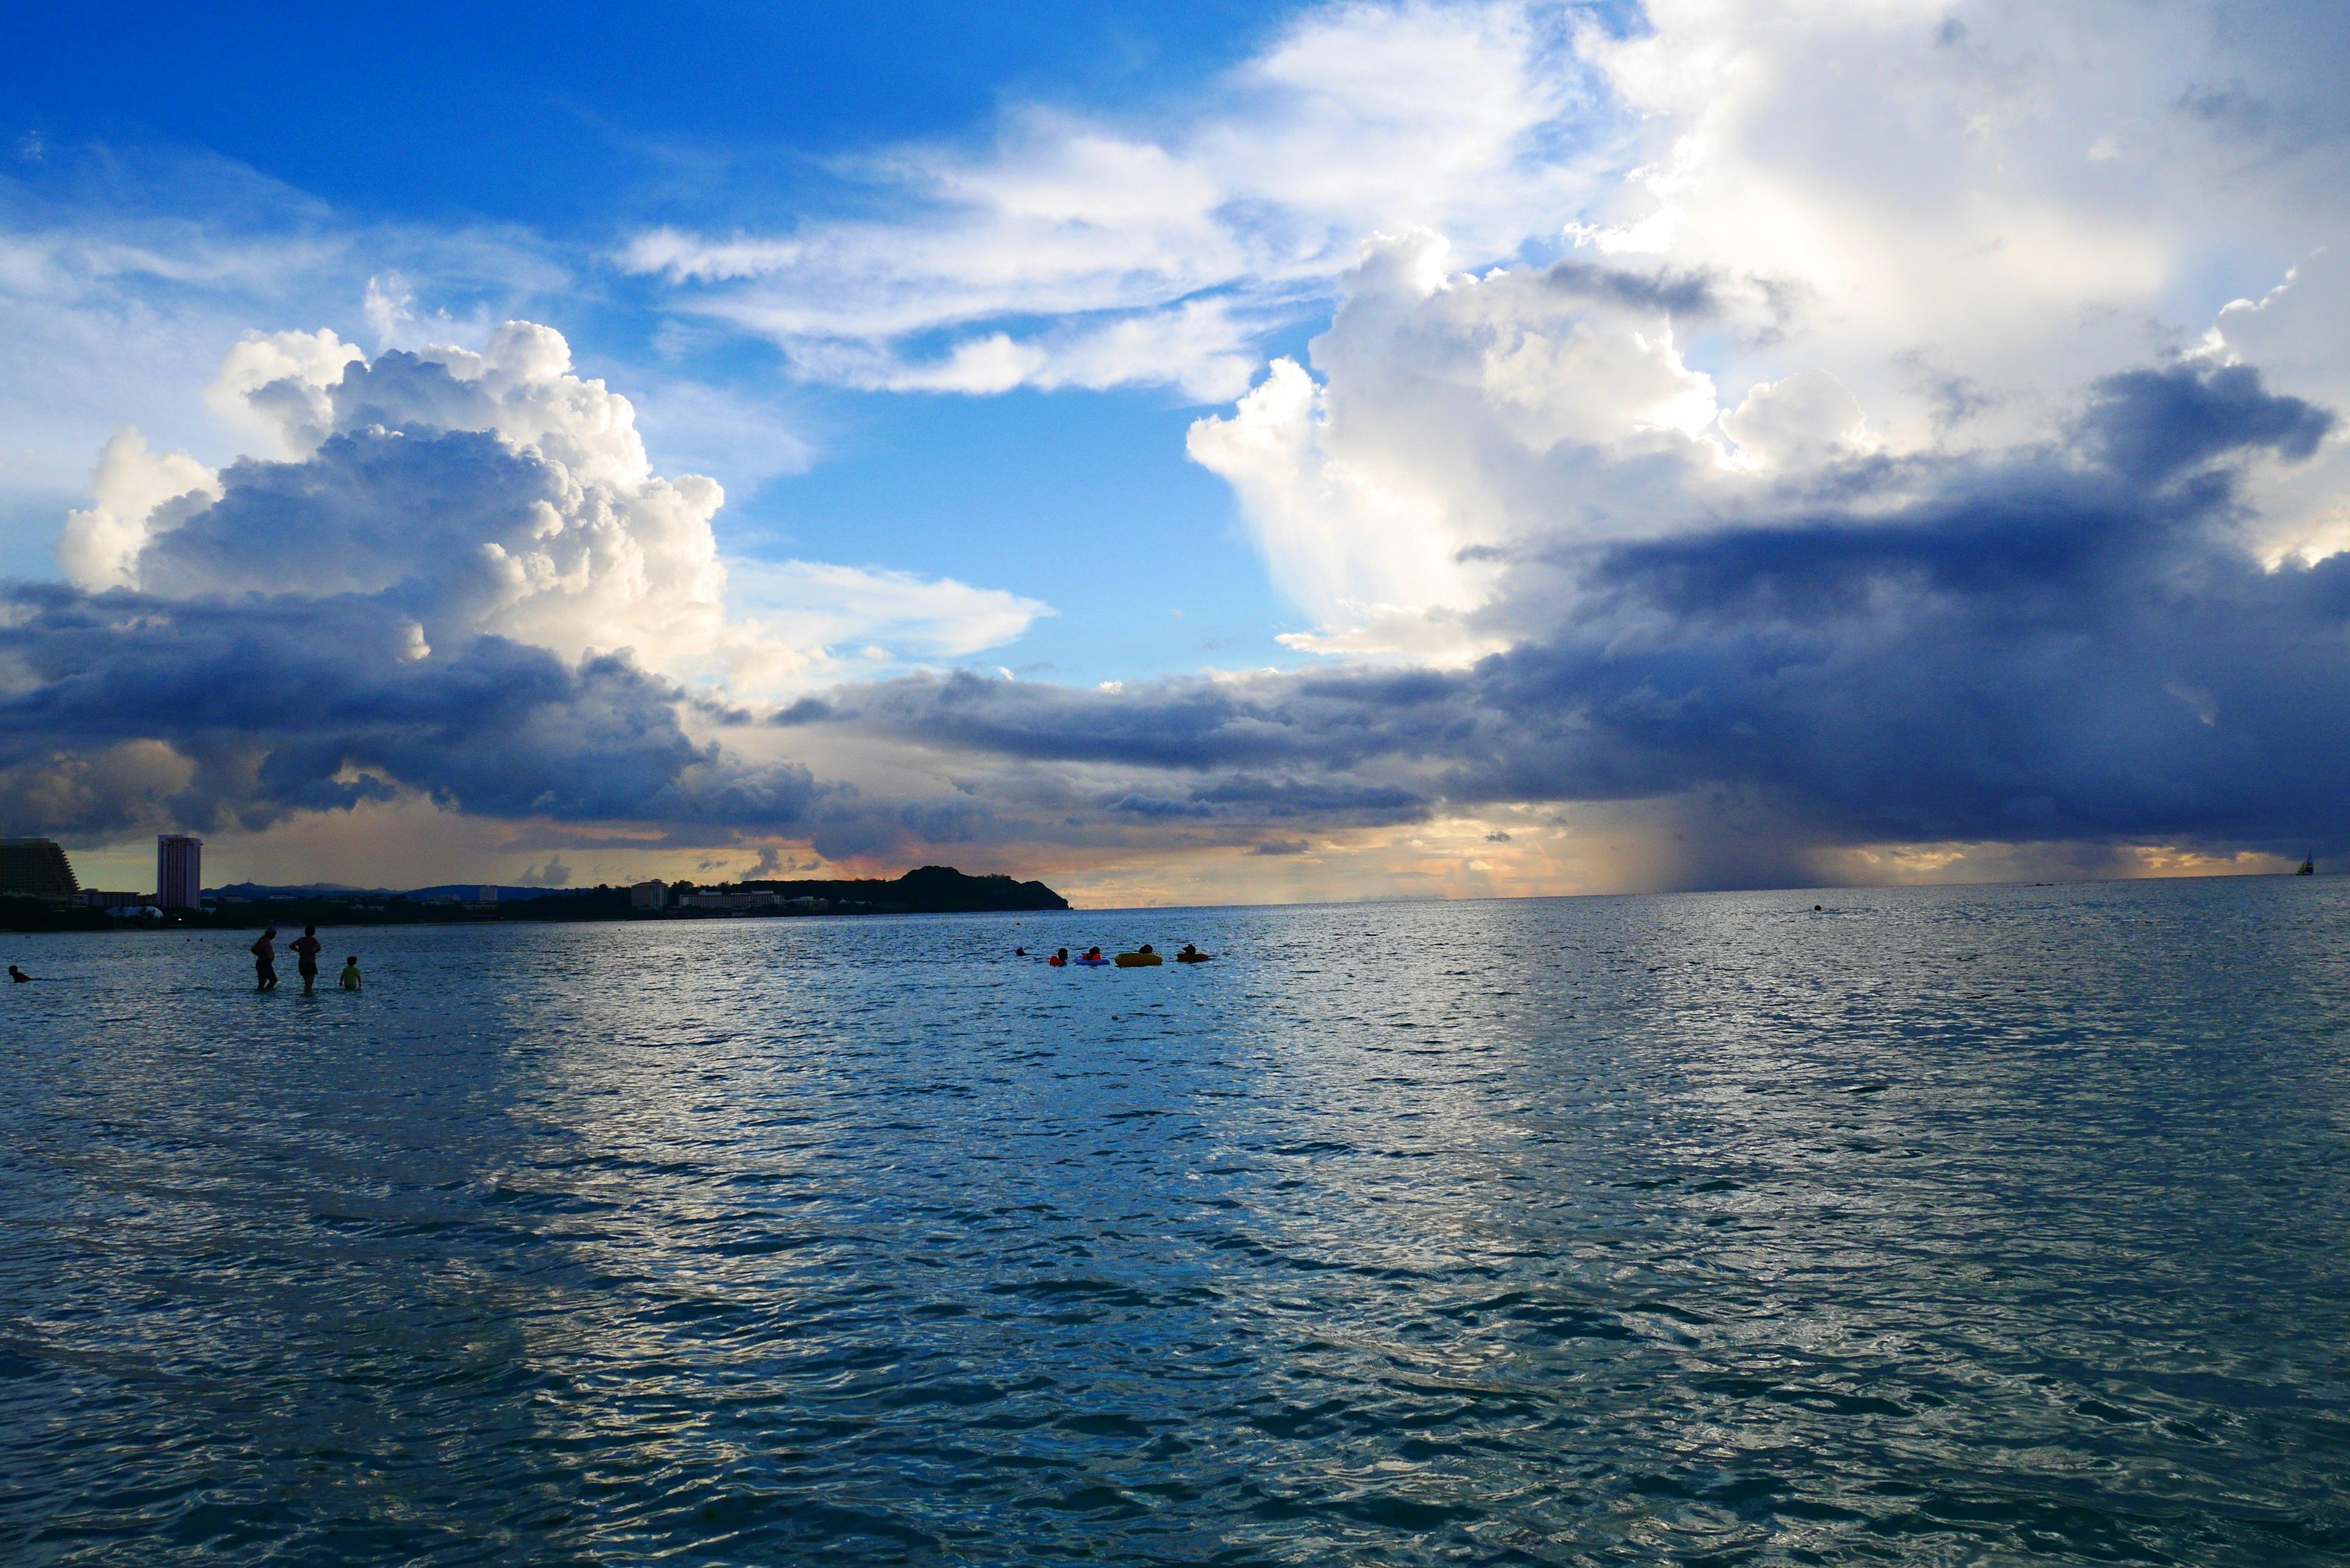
714	901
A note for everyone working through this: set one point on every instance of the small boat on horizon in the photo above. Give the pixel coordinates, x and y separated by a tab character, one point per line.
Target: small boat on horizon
2308	865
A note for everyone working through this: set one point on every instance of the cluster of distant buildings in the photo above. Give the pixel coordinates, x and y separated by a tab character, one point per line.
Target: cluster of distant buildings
662	896
37	868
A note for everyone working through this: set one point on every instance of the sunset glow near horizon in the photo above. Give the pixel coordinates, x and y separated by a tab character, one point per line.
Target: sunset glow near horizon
1183	454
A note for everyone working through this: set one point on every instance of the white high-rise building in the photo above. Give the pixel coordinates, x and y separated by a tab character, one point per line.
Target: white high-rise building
178	871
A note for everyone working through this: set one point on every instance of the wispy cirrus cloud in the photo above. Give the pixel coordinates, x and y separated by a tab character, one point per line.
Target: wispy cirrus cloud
1080	251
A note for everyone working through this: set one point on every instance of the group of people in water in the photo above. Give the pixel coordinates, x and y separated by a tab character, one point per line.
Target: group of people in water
1144	956
307	948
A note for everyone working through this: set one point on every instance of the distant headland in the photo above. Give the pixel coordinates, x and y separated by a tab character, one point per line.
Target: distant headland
926	890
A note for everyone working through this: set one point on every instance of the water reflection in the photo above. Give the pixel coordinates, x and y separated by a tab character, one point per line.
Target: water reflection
1935	1227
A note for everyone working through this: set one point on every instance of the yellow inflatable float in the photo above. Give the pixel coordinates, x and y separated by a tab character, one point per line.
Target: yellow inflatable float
1146	958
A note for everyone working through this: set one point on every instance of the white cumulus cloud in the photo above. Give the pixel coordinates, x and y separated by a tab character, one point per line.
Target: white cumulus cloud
100	544
1835	229
493	491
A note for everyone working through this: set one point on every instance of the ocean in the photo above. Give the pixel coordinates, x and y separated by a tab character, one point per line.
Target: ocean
1981	1225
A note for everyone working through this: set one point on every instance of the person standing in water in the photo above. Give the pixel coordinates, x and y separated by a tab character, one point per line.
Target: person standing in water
265	961
352	972
306	952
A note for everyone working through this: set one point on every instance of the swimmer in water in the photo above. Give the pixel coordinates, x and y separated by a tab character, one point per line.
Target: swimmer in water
265	961
306	947
352	972
1059	959
18	975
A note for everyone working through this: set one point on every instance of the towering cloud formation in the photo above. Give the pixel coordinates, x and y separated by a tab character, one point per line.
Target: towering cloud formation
1461	417
459	576
491	494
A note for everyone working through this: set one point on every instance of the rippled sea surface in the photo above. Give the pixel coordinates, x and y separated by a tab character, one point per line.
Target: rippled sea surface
1962	1226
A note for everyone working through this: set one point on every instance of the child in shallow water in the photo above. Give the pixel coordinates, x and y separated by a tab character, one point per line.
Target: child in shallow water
352	972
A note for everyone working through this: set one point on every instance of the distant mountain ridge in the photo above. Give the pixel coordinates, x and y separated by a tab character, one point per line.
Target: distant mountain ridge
940	890
462	890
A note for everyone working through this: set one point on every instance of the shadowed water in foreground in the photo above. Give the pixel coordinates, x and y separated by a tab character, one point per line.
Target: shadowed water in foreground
1958	1226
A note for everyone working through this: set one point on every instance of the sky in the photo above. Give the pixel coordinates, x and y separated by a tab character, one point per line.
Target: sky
1194	453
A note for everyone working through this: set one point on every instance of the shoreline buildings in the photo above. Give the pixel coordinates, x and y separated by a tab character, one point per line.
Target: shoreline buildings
36	868
178	871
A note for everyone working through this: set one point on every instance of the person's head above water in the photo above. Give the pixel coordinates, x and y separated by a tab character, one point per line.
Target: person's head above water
353	960
1149	949
309	930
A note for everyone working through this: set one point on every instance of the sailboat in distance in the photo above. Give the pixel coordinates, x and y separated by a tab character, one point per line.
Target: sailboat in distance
2308	865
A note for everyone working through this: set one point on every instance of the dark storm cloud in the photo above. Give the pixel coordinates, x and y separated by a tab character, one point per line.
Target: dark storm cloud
1334	801
2149	425
846	825
1675	293
1153	806
1312	719
2064	642
307	703
375	513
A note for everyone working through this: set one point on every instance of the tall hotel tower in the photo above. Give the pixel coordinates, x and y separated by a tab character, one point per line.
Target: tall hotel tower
178	871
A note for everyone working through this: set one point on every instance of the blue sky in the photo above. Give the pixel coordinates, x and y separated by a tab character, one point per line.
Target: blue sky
1200	451
582	119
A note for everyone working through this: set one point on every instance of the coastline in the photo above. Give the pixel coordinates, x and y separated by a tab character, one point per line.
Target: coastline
926	891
